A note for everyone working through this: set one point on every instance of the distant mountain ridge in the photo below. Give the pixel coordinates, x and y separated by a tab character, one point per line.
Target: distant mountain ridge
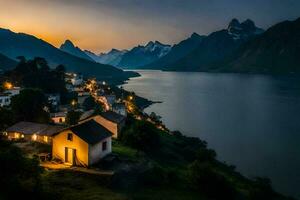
142	55
177	52
20	44
277	51
112	57
70	48
216	46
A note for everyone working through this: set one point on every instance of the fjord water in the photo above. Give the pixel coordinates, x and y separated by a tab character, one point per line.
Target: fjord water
252	121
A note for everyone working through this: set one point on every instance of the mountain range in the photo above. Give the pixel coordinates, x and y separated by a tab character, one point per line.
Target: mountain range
214	47
113	57
70	48
241	47
143	55
21	44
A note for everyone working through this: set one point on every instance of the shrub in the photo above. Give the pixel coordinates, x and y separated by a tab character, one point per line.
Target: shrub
204	179
141	135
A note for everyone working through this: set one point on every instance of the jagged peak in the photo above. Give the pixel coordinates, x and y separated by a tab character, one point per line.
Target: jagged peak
68	43
234	22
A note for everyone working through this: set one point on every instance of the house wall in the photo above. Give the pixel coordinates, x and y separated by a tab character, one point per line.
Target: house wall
96	153
111	126
58	120
60	142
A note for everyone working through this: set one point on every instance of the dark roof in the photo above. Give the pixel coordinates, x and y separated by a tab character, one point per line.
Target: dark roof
90	131
30	128
86	115
112	116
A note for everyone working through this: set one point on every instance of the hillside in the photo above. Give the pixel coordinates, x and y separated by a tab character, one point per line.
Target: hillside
20	44
6	63
275	51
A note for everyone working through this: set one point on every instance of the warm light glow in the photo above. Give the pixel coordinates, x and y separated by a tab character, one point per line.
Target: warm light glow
7	85
73	103
34	137
22	136
45	139
17	135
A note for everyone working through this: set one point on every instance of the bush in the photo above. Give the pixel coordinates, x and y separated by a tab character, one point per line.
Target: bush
204	179
73	117
19	175
141	135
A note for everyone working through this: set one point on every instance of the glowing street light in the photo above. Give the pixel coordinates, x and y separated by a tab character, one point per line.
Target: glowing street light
73	102
7	85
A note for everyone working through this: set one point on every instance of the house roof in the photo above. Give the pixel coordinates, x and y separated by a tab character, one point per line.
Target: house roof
29	128
90	131
112	116
86	115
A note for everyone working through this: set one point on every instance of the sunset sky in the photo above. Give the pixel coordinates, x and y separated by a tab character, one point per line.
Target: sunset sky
100	25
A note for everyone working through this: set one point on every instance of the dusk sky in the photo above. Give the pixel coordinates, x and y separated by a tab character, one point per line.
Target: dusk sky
100	25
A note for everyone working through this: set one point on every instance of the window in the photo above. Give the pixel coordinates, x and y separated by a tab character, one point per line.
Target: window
104	146
70	137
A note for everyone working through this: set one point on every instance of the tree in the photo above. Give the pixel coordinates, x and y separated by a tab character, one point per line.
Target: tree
6	118
29	106
19	174
89	103
73	117
141	135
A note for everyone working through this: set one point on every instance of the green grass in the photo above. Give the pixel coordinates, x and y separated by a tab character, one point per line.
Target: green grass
125	151
68	185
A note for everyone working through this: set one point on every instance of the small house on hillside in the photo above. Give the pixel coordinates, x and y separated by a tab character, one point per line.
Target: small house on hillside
30	131
114	122
58	117
4	99
83	144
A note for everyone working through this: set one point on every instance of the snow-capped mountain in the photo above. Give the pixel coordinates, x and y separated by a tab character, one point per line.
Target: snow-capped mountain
113	57
142	55
243	30
70	48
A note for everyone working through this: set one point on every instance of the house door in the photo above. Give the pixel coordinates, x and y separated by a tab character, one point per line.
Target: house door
70	155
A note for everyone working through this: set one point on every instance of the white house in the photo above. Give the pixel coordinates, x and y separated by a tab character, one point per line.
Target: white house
83	144
4	100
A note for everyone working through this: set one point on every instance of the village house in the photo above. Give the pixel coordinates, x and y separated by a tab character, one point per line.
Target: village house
119	108
112	121
59	117
30	131
4	99
83	144
13	91
77	79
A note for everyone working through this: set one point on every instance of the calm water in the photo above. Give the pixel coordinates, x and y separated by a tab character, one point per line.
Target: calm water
252	121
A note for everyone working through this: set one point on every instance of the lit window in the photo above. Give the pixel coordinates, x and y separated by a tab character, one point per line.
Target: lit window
34	137
70	137
17	135
104	146
22	136
45	139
